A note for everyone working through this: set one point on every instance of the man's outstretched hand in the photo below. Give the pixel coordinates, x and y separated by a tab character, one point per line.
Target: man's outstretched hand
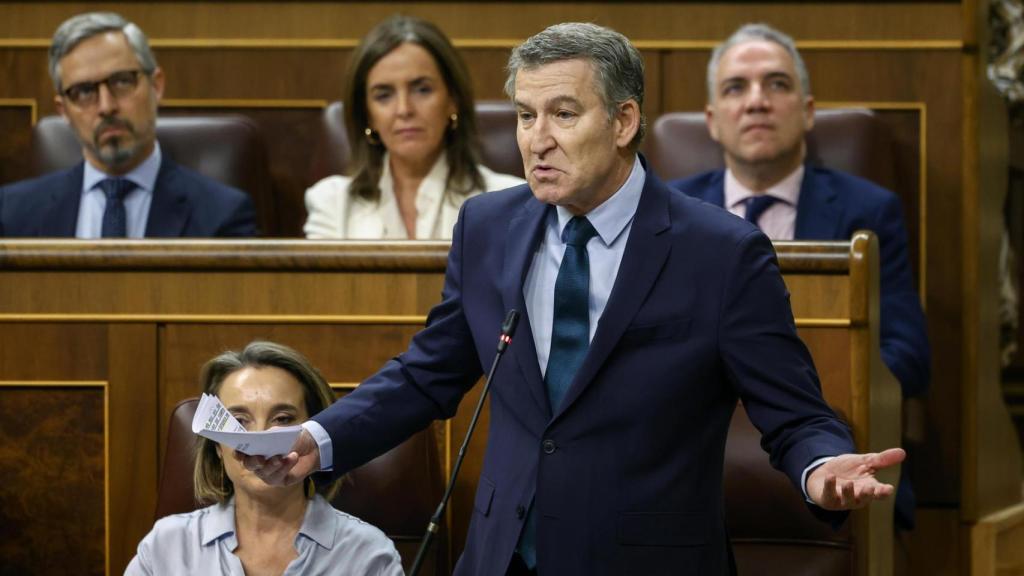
303	460
848	481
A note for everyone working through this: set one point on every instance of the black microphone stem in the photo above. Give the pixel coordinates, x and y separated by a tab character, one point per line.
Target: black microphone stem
508	328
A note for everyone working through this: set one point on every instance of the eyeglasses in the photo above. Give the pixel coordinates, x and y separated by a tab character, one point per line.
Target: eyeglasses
120	84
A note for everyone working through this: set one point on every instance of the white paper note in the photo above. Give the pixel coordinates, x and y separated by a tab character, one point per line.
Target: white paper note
213	421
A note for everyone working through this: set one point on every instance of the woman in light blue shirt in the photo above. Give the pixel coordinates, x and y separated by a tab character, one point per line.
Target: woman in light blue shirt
254	528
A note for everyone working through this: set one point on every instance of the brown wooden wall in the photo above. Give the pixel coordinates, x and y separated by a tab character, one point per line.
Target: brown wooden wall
280	62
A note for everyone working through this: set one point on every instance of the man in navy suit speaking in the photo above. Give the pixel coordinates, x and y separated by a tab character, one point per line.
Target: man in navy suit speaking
108	86
646	315
759	109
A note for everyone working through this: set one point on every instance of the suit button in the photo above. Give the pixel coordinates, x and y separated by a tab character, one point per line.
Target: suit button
549	446
520	511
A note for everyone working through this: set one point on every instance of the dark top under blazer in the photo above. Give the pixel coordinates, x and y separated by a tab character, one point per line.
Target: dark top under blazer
185	204
628	472
832	206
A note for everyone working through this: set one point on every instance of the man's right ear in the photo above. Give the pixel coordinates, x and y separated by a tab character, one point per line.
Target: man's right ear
709	119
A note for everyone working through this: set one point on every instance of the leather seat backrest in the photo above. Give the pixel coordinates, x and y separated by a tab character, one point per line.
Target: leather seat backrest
496	125
851	140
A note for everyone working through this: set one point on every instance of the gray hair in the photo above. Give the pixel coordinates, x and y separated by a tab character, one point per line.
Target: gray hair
758	32
84	26
617	63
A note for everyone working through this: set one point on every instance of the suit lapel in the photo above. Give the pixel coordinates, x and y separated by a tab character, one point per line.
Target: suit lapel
522	237
817	214
645	254
717	194
168	212
61	217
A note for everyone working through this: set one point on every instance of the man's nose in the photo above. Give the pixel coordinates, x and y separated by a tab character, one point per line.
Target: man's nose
541	139
106	101
757	98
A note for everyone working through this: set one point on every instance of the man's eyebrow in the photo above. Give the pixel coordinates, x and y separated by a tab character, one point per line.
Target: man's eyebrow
553	103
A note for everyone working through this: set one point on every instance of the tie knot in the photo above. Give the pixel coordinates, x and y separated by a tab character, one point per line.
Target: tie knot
756	205
578	231
116	188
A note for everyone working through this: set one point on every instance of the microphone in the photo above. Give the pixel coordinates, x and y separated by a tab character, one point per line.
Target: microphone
508	328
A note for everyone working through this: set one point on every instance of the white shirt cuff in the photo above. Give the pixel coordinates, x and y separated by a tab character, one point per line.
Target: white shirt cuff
323	441
807	472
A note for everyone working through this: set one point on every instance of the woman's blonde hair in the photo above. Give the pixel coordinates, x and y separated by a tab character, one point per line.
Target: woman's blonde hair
210	482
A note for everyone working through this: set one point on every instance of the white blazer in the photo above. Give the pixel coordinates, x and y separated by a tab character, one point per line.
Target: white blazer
334	213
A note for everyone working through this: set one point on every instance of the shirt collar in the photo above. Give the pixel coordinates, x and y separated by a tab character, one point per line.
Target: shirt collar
787	189
317	524
219	521
611	217
144	175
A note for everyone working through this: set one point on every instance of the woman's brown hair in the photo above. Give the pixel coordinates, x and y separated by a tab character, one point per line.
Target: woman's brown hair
460	141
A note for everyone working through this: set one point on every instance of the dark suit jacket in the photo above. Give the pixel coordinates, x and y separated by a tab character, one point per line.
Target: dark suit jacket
185	204
832	206
626	476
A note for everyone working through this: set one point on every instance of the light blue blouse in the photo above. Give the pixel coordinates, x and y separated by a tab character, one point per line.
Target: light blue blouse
203	542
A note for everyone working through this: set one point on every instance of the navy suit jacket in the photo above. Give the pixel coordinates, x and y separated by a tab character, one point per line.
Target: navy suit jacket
832	206
626	476
185	204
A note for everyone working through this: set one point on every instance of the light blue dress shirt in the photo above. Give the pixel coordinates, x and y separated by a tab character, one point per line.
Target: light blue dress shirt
613	220
203	542
136	203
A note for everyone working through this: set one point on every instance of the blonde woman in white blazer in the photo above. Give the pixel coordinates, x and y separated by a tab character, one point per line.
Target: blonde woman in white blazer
410	121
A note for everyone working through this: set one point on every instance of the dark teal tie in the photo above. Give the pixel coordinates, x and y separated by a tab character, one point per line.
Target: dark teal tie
115	219
756	205
570	329
570	338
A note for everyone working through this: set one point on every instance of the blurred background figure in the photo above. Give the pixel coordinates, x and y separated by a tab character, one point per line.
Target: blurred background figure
108	86
253	528
412	127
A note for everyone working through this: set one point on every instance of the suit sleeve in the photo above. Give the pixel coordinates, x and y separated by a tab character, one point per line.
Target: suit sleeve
904	338
771	367
240	219
423	384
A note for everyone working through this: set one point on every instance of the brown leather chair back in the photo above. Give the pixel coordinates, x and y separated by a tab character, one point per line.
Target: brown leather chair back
496	124
772	530
397	492
851	140
228	148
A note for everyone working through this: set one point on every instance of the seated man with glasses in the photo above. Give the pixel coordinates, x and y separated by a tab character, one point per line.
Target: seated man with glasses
108	86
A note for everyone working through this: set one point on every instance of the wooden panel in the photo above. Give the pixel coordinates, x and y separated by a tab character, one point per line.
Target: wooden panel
933	547
16	118
132	360
804	292
52	466
219	293
642	20
53	351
